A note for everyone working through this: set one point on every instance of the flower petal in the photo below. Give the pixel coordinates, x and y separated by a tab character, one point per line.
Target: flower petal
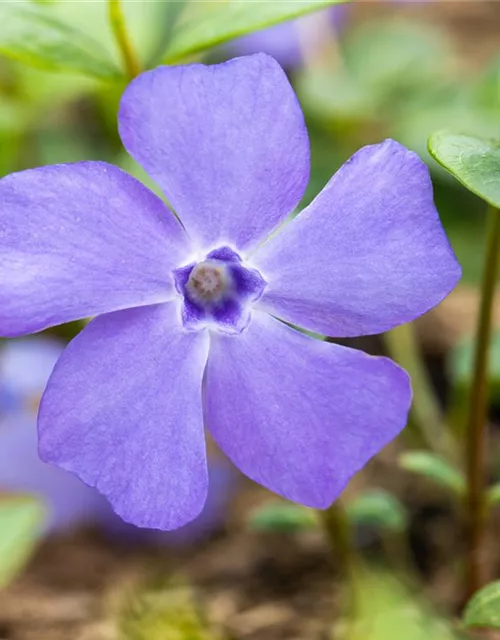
226	143
122	410
368	254
78	240
298	415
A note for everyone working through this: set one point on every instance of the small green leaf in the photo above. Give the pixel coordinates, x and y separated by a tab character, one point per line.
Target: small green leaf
214	22
20	523
32	36
434	468
483	610
474	161
282	517
380	509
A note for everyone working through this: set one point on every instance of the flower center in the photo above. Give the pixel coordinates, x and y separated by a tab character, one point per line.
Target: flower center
207	282
218	292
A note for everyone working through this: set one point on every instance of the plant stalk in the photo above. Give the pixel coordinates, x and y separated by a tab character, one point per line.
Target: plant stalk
338	534
426	413
477	417
118	26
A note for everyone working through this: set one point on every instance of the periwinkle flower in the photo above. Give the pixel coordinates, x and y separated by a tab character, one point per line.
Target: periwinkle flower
194	318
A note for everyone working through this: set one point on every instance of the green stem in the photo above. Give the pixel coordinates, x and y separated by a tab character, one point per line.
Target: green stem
338	534
117	21
426	413
476	425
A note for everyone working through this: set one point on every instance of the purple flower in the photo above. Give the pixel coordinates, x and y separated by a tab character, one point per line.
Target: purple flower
286	41
192	316
25	366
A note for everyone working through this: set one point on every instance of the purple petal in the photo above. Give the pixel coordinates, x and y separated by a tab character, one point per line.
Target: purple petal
226	143
78	240
122	410
368	254
298	415
223	480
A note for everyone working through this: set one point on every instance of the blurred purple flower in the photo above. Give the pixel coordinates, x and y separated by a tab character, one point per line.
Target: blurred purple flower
25	367
286	41
192	322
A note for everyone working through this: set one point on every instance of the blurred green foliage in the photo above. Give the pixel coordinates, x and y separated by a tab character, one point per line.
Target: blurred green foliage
460	365
21	520
385	608
282	517
434	468
163	614
483	610
378	509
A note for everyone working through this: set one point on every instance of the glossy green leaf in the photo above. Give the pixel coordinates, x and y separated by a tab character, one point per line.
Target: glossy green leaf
380	509
20	524
214	22
282	517
387	609
434	468
33	36
483	610
474	161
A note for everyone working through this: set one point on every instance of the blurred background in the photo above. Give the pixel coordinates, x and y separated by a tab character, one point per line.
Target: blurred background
252	567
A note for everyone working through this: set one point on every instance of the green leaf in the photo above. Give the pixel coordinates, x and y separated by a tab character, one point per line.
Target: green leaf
474	161
387	609
282	517
173	10
380	509
214	22
434	468
34	37
483	610
20	523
